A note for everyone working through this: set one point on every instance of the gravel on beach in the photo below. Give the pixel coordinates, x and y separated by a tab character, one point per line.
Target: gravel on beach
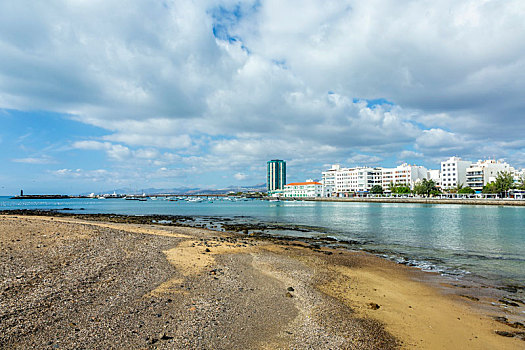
81	285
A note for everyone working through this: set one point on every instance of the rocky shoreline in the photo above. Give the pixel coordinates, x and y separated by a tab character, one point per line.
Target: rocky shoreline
505	294
70	281
314	237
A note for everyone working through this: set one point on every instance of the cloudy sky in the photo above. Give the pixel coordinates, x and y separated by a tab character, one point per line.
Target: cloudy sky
103	94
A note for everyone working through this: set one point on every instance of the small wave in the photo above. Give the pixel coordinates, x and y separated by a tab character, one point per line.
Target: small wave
426	265
487	257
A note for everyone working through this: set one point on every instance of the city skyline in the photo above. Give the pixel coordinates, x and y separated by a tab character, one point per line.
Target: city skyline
202	94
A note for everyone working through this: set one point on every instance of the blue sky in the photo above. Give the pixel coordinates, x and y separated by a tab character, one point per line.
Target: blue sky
201	94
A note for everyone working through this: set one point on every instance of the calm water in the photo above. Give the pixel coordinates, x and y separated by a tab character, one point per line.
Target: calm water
478	241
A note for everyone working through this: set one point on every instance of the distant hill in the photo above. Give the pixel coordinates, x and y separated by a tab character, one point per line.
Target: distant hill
187	190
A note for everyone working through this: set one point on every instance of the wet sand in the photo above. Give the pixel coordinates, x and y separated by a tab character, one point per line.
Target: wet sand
69	283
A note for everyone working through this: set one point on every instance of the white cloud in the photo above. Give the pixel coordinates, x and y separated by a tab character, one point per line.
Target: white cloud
363	160
410	154
91	145
240	176
169	92
98	175
437	138
114	151
35	160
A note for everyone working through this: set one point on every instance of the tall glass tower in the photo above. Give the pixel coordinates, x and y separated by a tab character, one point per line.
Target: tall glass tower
276	175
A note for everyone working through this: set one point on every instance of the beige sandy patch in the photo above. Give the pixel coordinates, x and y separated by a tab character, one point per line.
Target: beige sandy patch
169	287
190	258
418	314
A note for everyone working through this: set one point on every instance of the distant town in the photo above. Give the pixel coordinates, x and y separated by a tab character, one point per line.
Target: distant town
457	178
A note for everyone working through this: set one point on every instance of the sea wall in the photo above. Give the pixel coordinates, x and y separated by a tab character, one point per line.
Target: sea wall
469	201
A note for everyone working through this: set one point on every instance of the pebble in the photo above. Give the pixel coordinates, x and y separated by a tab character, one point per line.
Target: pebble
373	306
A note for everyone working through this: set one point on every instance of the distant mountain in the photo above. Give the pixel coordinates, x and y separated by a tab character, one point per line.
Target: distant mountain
188	190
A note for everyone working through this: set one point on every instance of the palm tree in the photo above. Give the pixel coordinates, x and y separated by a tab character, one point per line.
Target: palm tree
456	189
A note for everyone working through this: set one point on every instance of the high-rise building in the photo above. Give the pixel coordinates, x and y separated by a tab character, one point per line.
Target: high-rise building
276	175
454	172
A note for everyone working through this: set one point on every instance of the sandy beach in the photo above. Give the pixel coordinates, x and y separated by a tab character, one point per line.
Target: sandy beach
68	283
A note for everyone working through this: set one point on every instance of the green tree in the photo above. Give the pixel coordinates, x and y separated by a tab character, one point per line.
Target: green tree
466	190
399	188
376	189
489	188
435	192
426	188
419	188
504	182
456	189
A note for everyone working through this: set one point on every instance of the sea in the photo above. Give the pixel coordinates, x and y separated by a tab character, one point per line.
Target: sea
484	243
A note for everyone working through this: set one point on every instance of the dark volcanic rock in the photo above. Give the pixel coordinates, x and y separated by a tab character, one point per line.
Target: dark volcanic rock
373	306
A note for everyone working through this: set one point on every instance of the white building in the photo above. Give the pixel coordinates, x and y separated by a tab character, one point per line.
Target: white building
404	174
484	172
328	180
307	189
434	175
454	172
338	181
355	180
519	176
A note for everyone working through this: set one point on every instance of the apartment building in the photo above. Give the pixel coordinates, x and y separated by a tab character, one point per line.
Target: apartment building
338	181
485	171
404	174
328	181
307	189
359	179
454	172
434	175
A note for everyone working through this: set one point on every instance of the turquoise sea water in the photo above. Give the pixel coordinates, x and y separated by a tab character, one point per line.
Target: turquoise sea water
484	242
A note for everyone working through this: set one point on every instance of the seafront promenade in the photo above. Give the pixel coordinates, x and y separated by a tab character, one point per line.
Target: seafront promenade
460	201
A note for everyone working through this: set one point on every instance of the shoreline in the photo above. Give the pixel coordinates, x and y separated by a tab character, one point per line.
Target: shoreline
502	293
397	200
355	281
316	236
458	201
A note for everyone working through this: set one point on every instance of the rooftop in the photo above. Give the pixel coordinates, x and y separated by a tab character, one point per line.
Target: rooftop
303	183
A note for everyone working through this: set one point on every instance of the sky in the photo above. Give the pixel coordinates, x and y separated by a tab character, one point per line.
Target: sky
98	95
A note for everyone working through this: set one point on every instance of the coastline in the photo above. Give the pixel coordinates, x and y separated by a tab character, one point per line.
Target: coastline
334	291
458	201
